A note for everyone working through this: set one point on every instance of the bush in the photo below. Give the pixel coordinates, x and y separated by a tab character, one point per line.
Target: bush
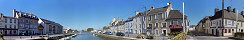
141	36
149	37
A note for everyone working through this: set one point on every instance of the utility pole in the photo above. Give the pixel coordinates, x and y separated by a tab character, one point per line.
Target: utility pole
222	22
183	24
236	21
223	5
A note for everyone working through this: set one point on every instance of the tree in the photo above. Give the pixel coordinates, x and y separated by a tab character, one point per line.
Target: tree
105	28
89	29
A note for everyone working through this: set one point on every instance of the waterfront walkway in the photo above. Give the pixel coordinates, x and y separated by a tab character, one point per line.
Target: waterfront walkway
29	37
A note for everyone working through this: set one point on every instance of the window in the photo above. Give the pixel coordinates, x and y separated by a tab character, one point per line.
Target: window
225	30
156	25
6	20
150	25
5	32
144	18
163	15
175	22
10	32
14	21
229	30
241	30
232	23
10	20
10	26
150	17
14	31
217	23
212	31
225	22
156	16
241	24
15	26
26	21
220	23
232	30
163	24
5	26
211	23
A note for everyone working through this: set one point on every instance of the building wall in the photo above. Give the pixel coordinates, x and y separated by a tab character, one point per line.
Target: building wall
2	23
10	25
128	27
228	28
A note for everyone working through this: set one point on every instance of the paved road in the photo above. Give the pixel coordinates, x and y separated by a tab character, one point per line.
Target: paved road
202	36
209	38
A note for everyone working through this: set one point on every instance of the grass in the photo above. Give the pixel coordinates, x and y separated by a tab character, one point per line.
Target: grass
1	38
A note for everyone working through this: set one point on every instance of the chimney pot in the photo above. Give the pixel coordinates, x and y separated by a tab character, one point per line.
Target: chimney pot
216	10
234	10
229	9
152	7
242	12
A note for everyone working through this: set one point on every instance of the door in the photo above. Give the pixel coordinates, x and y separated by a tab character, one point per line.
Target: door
217	32
164	32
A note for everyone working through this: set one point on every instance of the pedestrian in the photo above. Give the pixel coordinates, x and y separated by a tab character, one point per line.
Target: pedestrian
31	36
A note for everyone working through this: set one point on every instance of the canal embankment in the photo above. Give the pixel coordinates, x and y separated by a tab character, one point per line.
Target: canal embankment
114	37
55	37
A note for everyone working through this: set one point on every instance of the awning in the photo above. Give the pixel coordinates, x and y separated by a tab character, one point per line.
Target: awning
175	27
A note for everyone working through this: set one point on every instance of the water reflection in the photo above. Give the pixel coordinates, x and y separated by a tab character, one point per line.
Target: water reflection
85	36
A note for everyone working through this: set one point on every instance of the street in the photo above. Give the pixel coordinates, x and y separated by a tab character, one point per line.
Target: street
202	36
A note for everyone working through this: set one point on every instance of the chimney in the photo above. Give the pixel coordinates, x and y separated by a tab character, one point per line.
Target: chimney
242	12
234	10
169	4
1	14
229	9
137	13
216	10
151	8
14	13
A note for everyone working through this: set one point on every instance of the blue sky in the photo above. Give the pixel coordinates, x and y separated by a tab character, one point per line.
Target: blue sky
81	14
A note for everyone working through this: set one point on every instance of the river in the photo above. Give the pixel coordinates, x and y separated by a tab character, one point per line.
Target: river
86	36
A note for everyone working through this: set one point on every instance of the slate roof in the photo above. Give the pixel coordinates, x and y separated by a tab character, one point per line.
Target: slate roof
26	15
227	15
175	14
161	9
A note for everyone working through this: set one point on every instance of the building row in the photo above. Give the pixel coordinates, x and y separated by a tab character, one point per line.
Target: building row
23	23
224	22
155	21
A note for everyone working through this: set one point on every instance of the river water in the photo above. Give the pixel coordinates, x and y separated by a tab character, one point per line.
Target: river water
86	36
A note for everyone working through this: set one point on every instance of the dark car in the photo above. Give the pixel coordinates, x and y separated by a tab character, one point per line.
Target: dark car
120	34
108	33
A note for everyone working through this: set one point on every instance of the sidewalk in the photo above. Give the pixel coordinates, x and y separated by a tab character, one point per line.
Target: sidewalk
26	37
161	38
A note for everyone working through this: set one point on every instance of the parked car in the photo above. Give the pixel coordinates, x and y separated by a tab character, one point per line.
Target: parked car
108	33
120	34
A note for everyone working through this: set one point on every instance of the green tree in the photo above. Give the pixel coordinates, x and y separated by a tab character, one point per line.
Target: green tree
104	28
89	29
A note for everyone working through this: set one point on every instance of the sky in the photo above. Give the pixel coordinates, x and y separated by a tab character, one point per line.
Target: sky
82	14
